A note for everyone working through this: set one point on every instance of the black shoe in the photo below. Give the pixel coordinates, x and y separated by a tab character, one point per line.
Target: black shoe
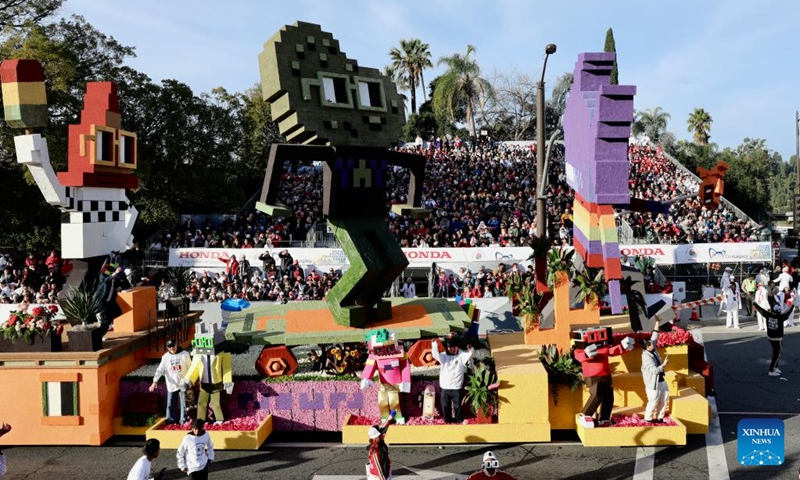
658	420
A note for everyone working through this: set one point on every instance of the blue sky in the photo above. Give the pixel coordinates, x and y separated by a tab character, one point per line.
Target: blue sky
736	59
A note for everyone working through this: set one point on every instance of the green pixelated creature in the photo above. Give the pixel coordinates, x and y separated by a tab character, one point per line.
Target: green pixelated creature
346	116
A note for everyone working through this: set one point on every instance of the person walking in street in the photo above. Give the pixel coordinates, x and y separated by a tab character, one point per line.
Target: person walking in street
748	293
490	469
141	469
762	300
379	466
196	452
785	299
173	367
775	318
454	364
655	385
784	279
733	303
724	282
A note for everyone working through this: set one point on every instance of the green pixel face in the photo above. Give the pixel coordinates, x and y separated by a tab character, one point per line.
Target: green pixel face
378	337
203	342
319	96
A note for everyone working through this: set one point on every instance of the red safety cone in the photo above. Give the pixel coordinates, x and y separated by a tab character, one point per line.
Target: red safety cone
677	315
695	316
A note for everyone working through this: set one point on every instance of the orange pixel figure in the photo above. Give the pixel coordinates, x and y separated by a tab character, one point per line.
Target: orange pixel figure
712	185
101	153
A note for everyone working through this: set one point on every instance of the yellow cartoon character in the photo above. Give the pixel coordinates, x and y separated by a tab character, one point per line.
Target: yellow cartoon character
211	365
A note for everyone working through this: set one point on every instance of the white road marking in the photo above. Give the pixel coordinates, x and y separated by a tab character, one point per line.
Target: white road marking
418	474
645	460
715	447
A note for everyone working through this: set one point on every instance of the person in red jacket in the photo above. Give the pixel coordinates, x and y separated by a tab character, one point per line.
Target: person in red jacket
379	466
490	470
592	350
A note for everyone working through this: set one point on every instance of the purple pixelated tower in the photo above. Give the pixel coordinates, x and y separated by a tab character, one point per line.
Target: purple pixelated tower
597	125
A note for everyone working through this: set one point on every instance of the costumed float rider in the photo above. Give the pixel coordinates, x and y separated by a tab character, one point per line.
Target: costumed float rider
592	350
388	358
211	365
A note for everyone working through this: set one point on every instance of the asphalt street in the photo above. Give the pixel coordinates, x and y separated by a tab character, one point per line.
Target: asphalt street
744	390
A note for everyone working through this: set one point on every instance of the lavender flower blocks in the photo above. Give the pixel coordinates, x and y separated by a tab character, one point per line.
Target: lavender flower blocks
597	125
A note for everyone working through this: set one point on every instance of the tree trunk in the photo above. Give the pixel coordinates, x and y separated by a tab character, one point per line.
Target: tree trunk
413	95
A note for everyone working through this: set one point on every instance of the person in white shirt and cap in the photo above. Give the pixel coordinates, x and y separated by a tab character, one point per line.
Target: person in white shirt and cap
173	367
731	298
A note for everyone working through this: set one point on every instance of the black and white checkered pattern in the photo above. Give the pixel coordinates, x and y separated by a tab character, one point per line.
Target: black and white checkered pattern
92	211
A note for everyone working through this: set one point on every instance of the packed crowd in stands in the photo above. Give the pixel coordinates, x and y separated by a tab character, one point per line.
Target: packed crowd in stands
654	177
480	196
282	281
37	279
477	196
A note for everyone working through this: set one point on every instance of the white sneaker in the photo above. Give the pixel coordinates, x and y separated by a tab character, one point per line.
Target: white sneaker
777	370
774	374
585	421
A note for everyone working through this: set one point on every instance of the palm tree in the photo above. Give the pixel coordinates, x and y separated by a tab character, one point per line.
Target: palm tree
651	123
408	62
424	58
461	84
700	123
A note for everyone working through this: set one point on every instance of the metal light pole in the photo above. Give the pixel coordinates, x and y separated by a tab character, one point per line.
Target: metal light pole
541	222
796	221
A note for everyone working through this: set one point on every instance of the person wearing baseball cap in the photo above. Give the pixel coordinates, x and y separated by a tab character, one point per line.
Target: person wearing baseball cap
379	466
173	367
490	469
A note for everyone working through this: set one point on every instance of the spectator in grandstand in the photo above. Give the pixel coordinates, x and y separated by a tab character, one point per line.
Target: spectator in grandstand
409	290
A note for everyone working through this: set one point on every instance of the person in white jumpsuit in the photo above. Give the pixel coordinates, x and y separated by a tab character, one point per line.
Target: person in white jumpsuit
733	302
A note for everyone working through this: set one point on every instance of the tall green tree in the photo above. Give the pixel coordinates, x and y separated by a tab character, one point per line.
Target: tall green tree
408	63
750	170
16	13
461	83
611	46
692	155
699	123
653	124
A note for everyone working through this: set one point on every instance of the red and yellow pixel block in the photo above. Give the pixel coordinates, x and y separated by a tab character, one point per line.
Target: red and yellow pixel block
24	98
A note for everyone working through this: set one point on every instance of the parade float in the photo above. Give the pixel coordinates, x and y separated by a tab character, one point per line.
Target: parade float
344	115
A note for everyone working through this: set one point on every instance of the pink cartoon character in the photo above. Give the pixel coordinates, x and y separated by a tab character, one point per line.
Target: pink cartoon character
388	358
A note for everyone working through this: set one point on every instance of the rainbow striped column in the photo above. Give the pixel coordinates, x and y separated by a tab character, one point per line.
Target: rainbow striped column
24	98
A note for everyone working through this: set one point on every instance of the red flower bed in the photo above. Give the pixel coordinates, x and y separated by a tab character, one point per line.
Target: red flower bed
359	420
678	336
238	424
636	421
